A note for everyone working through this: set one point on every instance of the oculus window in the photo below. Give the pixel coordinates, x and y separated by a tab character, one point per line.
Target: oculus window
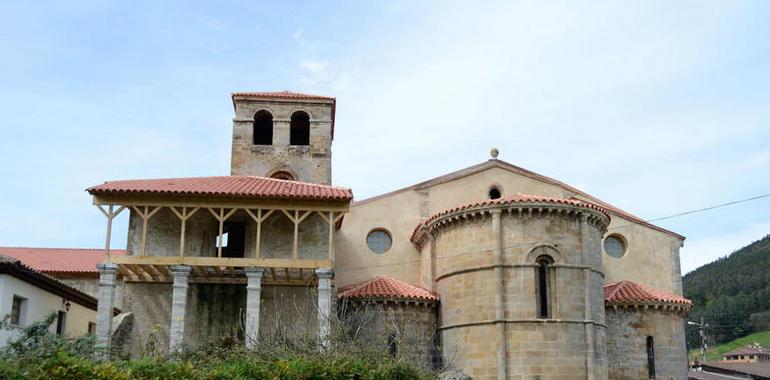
379	241
615	246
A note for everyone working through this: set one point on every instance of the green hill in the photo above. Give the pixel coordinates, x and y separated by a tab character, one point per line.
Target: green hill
732	294
715	353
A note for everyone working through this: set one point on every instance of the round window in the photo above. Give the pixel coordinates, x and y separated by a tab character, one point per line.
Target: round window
615	246
379	241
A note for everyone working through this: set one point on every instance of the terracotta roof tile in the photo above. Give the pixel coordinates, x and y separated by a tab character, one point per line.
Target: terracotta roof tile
225	186
514	199
748	350
386	287
282	95
631	293
59	260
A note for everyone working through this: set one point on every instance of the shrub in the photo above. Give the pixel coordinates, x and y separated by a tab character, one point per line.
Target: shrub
38	354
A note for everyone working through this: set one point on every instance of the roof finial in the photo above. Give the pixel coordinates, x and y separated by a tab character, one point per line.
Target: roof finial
494	152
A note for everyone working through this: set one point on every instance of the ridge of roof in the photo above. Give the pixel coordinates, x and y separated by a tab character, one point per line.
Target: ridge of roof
227	186
286	94
527	173
386	287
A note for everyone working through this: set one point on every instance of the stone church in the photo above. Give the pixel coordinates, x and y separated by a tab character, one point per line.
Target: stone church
503	273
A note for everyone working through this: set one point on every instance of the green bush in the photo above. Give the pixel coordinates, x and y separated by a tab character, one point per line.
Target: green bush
38	354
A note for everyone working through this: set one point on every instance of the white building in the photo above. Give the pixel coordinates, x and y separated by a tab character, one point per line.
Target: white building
27	296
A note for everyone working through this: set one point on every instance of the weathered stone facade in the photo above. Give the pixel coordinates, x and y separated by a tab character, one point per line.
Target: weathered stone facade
485	261
628	331
406	329
307	163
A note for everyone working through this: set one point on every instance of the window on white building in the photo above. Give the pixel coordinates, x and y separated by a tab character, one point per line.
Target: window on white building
18	310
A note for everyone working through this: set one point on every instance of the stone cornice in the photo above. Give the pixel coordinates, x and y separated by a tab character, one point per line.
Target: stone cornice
516	209
652	306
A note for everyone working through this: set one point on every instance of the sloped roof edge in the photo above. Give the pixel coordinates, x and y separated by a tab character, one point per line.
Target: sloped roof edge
495	163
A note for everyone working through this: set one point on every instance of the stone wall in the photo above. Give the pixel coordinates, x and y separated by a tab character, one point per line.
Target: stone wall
202	229
628	330
90	286
568	345
406	330
216	311
311	163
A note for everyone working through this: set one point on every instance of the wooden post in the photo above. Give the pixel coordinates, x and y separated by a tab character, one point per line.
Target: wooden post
221	217
110	214
259	218
146	214
183	216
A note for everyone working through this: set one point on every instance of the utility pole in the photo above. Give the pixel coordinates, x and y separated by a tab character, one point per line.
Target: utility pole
702	330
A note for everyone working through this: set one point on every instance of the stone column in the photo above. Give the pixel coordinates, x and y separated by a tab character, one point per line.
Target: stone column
181	275
108	273
324	305
253	296
502	348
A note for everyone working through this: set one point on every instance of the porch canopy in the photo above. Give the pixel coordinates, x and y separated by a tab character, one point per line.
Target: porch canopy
285	227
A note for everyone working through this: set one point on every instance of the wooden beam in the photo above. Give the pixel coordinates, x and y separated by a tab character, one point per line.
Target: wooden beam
204	202
221	262
162	270
272	273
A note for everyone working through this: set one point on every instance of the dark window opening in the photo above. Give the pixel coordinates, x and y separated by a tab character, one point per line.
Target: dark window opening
60	322
300	129
91	328
494	193
283	175
392	345
233	239
543	284
263	128
17	312
650	357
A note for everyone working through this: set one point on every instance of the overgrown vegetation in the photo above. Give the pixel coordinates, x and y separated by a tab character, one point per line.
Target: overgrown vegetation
716	352
732	294
38	354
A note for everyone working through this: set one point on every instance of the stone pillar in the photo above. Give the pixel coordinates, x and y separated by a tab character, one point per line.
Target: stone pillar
502	347
181	275
324	305
253	297
108	273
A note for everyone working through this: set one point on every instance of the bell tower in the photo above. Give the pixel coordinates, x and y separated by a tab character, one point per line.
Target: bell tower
283	135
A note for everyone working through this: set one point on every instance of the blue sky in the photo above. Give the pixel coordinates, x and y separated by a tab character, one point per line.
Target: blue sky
656	107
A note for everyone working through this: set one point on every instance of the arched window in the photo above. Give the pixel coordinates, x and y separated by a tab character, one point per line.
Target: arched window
300	129
283	175
651	357
263	128
543	286
494	193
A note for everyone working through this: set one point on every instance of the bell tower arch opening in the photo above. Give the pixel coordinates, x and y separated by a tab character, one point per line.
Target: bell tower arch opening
283	130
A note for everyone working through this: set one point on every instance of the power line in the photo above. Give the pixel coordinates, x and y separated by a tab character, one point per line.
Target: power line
559	239
699	210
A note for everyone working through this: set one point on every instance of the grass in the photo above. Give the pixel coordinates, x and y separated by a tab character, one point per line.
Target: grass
715	353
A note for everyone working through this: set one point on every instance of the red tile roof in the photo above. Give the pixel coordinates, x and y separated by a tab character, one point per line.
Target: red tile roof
388	288
225	186
631	293
748	350
514	199
59	260
281	95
